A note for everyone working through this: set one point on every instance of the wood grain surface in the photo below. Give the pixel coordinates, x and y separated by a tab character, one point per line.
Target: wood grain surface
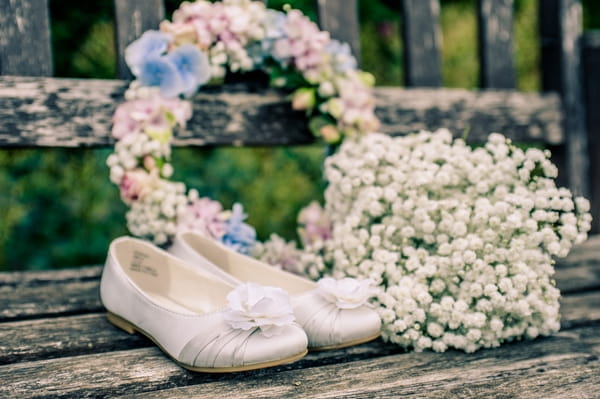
25	38
422	40
496	53
77	113
132	19
340	19
147	369
59	344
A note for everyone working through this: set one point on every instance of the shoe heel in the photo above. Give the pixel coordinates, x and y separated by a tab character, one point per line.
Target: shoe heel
121	323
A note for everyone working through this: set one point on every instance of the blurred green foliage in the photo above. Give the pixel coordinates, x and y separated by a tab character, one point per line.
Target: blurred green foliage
59	208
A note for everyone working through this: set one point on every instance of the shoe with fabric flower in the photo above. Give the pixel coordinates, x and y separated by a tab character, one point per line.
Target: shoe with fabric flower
333	313
203	323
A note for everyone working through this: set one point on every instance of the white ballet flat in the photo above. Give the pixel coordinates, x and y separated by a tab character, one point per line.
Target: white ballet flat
201	322
333	313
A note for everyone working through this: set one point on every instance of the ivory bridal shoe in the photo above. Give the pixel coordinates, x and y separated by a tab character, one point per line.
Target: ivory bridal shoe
201	322
333	313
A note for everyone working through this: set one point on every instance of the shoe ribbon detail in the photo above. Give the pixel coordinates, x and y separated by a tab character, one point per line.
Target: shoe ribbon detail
226	347
337	312
254	313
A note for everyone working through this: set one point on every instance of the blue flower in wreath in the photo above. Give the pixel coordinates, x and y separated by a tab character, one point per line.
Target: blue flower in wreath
161	72
152	44
192	67
239	236
179	72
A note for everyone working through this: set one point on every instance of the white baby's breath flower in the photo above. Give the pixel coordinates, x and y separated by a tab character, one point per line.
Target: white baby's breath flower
465	241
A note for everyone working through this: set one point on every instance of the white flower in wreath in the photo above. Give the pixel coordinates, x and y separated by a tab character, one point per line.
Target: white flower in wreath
346	293
255	306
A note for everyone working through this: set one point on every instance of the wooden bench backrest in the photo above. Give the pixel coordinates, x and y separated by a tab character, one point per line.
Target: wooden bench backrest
53	112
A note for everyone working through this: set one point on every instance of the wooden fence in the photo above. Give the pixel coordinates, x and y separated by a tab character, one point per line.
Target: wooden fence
569	66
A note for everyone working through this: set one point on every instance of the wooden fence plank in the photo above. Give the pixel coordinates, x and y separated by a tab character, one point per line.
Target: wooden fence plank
25	38
74	113
146	369
422	40
551	56
571	21
591	66
134	17
550	53
521	116
340	19
497	68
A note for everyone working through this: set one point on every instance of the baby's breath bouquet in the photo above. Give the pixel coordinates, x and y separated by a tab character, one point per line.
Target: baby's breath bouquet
460	240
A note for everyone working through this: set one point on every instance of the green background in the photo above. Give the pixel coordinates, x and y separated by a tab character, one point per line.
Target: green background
59	209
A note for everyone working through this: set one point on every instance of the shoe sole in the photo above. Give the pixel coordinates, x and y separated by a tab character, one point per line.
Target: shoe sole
345	344
132	329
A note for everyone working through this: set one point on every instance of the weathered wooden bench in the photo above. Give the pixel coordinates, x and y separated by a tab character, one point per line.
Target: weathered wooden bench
55	342
54	339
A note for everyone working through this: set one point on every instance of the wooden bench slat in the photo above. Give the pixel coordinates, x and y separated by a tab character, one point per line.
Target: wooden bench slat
389	377
497	68
579	309
340	19
76	297
146	369
49	299
25	38
580	271
91	333
422	42
523	379
74	291
77	113
134	17
579	279
54	337
35	278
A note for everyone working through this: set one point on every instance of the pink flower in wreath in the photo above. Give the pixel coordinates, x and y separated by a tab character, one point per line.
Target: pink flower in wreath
205	23
304	43
135	184
204	216
156	113
315	224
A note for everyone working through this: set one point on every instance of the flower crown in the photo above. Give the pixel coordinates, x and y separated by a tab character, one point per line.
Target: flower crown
204	42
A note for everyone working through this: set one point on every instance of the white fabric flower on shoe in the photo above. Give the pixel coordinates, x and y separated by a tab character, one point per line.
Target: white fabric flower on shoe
346	293
252	305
